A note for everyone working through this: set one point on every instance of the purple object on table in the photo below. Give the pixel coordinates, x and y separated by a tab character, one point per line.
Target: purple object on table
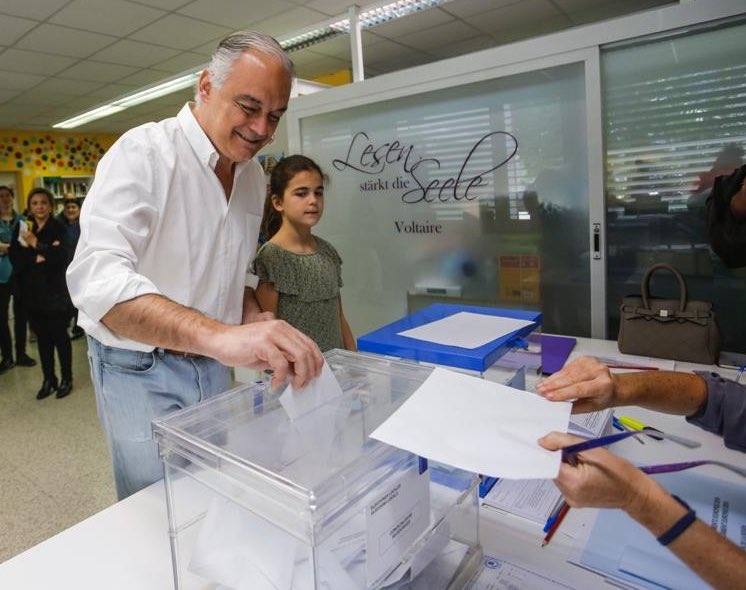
554	352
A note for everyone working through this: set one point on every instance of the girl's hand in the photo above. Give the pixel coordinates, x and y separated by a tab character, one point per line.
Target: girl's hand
40	259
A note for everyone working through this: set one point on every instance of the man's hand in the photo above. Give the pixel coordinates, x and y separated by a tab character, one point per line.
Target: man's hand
258	316
270	344
585	380
600	479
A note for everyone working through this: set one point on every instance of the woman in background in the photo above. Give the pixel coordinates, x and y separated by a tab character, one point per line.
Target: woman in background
38	255
9	220
70	220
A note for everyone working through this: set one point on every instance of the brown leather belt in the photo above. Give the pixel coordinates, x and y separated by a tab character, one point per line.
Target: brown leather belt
186	355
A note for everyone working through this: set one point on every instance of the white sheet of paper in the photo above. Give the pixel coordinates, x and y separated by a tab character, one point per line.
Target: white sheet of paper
532	499
466	329
321	390
237	549
394	518
478	426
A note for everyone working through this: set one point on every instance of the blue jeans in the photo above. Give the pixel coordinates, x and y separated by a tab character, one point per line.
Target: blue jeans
134	387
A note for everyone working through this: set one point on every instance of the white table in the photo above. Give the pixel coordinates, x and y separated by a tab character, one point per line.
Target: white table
126	545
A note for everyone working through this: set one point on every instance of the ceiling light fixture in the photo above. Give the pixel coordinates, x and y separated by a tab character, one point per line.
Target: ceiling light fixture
369	18
130	100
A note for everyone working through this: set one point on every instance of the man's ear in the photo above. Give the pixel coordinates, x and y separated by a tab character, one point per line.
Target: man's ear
204	86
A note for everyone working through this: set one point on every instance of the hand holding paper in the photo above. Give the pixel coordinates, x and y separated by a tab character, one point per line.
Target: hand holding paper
478	426
319	391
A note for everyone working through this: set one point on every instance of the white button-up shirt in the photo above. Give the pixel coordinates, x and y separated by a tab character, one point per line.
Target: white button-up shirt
156	220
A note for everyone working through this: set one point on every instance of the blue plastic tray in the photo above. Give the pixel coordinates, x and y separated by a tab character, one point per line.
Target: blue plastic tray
385	340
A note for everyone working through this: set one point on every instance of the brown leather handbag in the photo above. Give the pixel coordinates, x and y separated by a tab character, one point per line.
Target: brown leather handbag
669	328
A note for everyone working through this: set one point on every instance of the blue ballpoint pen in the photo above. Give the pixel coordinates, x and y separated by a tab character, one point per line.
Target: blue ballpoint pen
569	453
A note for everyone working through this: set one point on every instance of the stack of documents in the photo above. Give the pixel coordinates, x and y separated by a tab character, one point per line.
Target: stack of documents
591	424
532	499
624	551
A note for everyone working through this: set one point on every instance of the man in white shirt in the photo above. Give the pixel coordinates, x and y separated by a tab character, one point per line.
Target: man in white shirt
168	231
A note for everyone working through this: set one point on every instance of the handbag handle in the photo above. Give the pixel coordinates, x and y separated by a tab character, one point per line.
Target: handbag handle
646	285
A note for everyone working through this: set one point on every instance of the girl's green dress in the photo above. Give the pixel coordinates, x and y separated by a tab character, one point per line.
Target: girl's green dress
308	287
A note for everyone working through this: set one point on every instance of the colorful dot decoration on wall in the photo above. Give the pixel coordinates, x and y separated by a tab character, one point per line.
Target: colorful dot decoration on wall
77	154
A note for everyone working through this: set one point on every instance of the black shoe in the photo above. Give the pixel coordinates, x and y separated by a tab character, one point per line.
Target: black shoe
25	360
65	387
6	365
47	389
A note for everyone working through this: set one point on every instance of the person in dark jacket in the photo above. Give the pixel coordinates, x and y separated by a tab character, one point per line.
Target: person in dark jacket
9	220
39	260
70	220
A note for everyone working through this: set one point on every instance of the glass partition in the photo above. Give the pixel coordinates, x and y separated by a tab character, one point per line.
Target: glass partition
475	194
674	119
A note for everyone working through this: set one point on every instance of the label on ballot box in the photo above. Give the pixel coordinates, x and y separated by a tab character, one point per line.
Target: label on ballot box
394	519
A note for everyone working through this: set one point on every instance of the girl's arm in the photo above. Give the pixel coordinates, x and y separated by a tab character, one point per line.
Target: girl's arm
267	297
348	339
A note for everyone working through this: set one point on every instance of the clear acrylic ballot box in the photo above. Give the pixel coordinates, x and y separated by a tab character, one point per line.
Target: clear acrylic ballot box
259	501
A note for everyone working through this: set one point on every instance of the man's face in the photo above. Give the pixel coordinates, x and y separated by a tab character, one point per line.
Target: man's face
241	116
72	211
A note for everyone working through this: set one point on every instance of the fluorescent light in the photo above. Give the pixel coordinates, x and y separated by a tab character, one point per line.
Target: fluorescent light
369	18
161	89
88	116
130	100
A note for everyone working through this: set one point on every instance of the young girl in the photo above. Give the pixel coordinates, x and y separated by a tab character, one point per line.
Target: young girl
299	273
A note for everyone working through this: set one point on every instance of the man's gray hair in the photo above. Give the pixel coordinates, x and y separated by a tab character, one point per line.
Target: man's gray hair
235	45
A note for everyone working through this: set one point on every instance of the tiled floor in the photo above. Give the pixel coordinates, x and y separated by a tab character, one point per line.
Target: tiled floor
54	464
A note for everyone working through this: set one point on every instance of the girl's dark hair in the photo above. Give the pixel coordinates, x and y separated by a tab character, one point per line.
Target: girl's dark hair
281	176
4	187
41	191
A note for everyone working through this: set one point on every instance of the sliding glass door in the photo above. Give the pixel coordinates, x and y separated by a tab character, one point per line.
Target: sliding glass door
674	118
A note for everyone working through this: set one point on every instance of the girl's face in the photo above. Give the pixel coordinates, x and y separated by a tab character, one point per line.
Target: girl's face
39	205
302	203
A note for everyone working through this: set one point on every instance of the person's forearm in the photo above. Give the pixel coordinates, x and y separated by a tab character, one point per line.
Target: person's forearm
158	321
250	305
664	391
713	557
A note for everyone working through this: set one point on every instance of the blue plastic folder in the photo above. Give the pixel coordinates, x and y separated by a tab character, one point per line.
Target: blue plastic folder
622	549
386	340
